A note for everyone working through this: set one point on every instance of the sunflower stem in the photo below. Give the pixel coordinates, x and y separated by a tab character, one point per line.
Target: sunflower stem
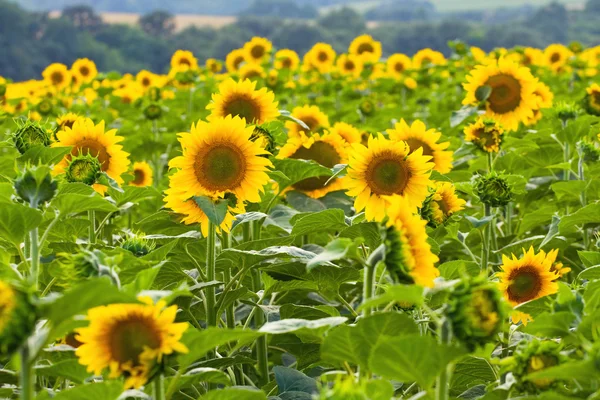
368	284
262	353
583	197
34	253
26	377
92	218
443	380
485	248
508	218
211	315
159	388
490	162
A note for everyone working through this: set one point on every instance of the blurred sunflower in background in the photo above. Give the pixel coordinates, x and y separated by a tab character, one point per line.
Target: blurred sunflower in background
322	57
84	70
146	79
485	133
234	60
66	121
557	56
592	99
397	65
57	75
350	65
213	65
183	60
312	117
425	58
441	204
257	50
348	132
251	71
142	174
366	48
286	59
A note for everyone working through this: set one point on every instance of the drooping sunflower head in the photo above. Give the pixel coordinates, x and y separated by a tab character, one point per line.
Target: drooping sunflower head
287	59
241	99
84	70
57	75
493	189
349	133
213	65
534	356
29	134
426	58
557	56
321	56
138	245
441	204
327	149
386	168
315	119
85	137
153	111
83	168
398	64
408	258
511	96
17	318
234	60
128	339
366	48
417	136
142	174
184	60
257	50
350	65
529	277
592	99
485	133
219	158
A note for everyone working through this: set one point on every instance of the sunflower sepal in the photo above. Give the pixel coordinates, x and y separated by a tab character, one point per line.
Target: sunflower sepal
35	185
106	180
494	189
29	134
83	168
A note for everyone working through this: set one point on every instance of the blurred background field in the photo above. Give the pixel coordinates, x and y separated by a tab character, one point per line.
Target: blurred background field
129	35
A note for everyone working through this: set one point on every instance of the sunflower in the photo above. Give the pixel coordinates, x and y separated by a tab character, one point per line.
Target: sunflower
528	278
257	50
593	99
213	65
7	304
511	99
312	116
385	168
327	149
84	70
349	133
366	48
142	174
418	136
243	100
321	56
409	257
427	57
234	60
129	92
87	138
183	60
128	339
219	158
442	204
557	56
57	75
532	56
287	59
146	79
544	99
251	71
350	65
485	133
398	64
66	121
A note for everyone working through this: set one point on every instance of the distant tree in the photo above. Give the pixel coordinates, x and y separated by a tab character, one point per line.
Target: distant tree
259	26
552	21
299	37
281	9
593	6
512	35
158	23
401	10
344	19
83	17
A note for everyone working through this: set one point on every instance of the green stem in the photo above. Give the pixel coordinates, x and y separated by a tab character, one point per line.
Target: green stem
368	284
485	246
490	162
508	218
230	312
92	218
27	378
159	388
35	257
211	315
443	381
583	197
262	355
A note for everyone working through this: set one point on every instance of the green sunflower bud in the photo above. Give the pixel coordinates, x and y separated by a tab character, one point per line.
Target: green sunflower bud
493	190
367	107
17	318
154	93
264	137
566	111
153	111
476	311
44	107
532	357
29	134
68	269
394	258
83	168
36	186
590	153
576	47
138	246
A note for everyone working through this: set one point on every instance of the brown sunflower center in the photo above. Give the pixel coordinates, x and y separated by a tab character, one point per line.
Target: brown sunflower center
286	62
322	56
399	67
388	174
426	60
554	58
321	152
95	149
130	337
220	167
487	137
253	73
185	61
57	78
596	98
525	284
257	51
365	48
244	107
506	93
237	61
349	65
84	70
311	122
146	82
139	176
414	144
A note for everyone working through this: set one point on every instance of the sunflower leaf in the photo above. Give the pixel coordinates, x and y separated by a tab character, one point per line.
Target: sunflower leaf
215	211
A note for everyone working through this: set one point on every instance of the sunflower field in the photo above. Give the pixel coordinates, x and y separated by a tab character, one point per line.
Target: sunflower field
336	226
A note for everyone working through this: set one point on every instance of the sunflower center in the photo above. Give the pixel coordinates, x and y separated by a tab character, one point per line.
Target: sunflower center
399	67
221	167
146	82
596	98
322	56
555	57
524	285
57	78
85	71
349	65
425	61
387	174
185	61
311	122
506	93
238	61
252	74
129	338
365	48
243	107
414	144
321	152
286	62
257	52
95	149
138	177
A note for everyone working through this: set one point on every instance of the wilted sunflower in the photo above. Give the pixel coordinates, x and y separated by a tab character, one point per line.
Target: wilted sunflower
321	56
527	278
418	136
441	204
219	158
183	60
312	116
142	174
257	50
87	138
592	99
511	99
427	57
350	65
241	99
128	339
366	48
385	168
485	133
234	60
251	71
327	149
349	133
408	254
557	56
287	59
397	65
57	75
84	70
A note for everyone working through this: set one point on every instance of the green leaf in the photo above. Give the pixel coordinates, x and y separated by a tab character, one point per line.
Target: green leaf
309	331
337	249
368	231
469	372
290	380
215	211
457	117
483	92
110	390
550	325
294	170
590	273
68	369
584	370
589	214
16	221
458	269
44	155
76	198
198	375
407	294
589	258
133	194
552	232
235	393
535	307
412	358
323	221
